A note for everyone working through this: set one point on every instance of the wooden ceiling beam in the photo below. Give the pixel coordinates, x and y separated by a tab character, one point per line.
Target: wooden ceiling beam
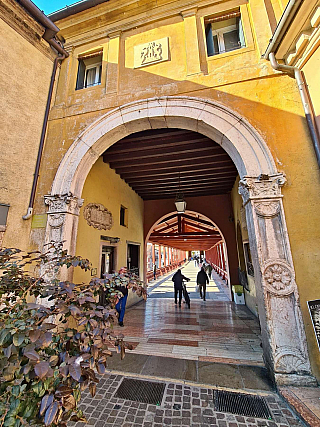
208	155
160	151
163	192
183	186
209	167
191	177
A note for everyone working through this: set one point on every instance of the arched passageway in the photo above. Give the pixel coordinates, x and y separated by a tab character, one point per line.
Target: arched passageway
260	184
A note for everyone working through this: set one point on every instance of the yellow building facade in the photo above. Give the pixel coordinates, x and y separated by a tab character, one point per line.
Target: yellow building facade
138	66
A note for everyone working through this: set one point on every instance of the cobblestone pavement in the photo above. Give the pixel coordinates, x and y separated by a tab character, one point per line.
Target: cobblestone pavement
182	405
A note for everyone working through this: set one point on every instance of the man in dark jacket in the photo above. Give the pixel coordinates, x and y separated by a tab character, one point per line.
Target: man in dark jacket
177	279
202	280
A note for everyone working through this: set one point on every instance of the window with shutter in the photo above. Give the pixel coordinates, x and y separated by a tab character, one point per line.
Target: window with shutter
89	71
224	33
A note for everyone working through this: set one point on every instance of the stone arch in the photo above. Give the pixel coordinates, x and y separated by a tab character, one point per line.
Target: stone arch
236	136
283	334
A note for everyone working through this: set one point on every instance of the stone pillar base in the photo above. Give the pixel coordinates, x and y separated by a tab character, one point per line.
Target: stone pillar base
295	380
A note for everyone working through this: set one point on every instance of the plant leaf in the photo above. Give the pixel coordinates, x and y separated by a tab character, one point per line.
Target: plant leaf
32	355
75	371
92	389
18	339
51	412
41	369
63	391
34	335
69	402
45	403
7	351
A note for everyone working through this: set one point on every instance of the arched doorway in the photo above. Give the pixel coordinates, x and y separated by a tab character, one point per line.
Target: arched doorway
188	232
260	185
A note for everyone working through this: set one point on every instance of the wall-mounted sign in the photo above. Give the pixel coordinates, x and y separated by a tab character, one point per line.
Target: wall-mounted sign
98	216
151	53
314	310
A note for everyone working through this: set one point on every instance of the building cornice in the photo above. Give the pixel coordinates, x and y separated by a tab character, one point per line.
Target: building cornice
20	21
171	9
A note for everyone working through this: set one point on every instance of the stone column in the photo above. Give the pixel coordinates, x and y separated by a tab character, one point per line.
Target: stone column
283	335
62	226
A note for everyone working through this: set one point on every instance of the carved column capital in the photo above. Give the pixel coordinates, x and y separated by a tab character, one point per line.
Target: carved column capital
63	204
261	187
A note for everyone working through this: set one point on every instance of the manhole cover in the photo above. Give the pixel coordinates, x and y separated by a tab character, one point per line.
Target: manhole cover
141	391
247	405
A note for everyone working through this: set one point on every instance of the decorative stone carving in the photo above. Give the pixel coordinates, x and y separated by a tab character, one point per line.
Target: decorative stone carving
291	362
278	278
151	53
60	207
262	187
267	209
62	204
98	216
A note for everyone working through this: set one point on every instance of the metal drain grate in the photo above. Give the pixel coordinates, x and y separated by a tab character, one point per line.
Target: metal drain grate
247	405
141	391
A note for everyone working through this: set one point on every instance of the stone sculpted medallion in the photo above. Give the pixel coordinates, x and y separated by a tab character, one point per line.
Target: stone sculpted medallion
98	216
278	278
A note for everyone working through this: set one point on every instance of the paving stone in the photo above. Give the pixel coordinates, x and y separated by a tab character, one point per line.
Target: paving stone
181	406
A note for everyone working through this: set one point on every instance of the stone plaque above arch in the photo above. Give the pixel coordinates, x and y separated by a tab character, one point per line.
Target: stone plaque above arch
98	216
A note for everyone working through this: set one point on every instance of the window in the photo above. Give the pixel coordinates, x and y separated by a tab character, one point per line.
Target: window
123	216
3	214
248	259
224	33
89	71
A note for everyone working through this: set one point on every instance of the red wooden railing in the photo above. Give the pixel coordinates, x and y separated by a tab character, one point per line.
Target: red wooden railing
163	270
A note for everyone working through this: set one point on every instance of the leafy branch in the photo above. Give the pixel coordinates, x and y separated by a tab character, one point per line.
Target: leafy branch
57	345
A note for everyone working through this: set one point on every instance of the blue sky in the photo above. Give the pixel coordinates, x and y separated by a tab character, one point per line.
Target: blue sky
49	6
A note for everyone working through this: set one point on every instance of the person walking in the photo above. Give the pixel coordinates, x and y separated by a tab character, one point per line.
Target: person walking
154	271
177	279
209	270
121	304
202	281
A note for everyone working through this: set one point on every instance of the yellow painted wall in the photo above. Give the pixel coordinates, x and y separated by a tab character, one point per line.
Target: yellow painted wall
104	186
24	81
241	81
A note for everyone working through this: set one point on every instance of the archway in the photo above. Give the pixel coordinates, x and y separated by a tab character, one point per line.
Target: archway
283	335
207	241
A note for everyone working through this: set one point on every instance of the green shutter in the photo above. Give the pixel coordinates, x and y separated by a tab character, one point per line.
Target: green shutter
80	77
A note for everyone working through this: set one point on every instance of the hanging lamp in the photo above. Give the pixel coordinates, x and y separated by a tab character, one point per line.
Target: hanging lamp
180	203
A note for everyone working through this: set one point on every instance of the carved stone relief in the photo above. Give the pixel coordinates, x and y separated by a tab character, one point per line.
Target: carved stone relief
268	209
151	53
262	187
98	216
278	278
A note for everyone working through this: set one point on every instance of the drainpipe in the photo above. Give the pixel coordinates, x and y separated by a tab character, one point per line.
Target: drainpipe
294	71
49	35
290	9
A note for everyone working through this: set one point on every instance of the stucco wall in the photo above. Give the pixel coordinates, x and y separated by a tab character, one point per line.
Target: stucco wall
24	81
104	186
